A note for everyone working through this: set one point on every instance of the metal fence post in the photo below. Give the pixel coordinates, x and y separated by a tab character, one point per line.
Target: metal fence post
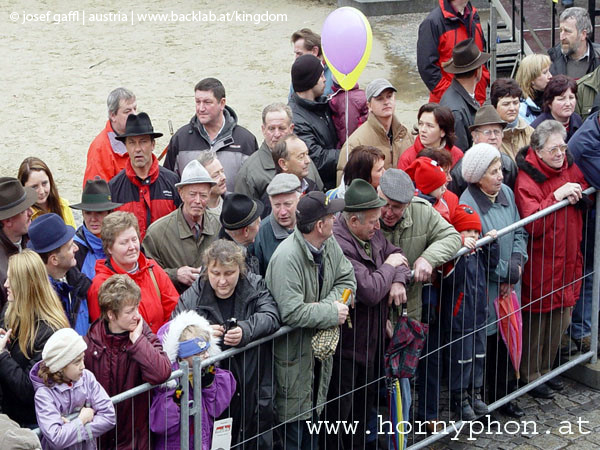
197	402
184	416
596	284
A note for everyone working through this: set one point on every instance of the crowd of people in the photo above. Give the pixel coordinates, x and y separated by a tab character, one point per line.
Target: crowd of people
227	241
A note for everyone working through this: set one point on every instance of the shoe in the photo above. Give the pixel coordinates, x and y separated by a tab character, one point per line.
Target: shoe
479	407
512	409
461	406
555	384
584	344
542	391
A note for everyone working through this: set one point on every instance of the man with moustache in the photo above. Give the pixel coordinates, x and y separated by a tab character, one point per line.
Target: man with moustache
178	240
143	187
259	169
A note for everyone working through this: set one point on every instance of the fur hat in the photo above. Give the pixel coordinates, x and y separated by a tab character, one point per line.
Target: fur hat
172	331
427	174
477	160
63	347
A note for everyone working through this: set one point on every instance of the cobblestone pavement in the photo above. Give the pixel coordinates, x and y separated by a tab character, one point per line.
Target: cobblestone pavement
569	421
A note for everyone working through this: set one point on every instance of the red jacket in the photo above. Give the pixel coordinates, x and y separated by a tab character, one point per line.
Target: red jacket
358	111
148	199
555	258
102	160
439	33
120	365
447	205
155	311
408	157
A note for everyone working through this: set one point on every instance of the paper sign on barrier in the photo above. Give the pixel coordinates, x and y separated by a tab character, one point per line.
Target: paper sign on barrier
222	434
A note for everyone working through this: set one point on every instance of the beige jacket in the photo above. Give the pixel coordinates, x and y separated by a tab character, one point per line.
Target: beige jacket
372	133
516	138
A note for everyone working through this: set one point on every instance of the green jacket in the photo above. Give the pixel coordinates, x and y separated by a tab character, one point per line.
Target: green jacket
588	87
292	278
171	243
422	232
259	169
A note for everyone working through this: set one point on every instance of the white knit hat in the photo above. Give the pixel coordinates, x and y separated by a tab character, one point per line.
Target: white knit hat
477	160
63	347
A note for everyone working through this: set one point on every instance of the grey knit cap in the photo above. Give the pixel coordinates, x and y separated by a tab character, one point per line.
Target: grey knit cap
477	160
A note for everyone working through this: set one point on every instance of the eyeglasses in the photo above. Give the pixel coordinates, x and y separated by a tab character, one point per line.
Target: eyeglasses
489	133
555	150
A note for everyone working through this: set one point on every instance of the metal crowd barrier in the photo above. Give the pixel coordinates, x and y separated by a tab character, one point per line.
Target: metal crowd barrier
191	402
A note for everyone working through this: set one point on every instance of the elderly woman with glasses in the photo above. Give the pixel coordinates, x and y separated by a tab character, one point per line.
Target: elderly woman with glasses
551	282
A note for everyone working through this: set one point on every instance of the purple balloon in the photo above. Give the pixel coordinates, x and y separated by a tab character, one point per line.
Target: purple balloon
344	39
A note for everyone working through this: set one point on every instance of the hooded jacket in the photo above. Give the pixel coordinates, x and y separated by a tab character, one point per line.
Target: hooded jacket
154	309
165	412
54	402
374	278
314	125
560	60
584	147
257	316
233	145
89	251
148	199
372	133
551	276
15	384
411	153
439	33
119	365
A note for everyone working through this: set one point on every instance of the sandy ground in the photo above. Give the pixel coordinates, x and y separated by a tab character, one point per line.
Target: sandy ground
57	74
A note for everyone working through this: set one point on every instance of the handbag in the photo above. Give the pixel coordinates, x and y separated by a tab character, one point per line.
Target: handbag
324	342
404	349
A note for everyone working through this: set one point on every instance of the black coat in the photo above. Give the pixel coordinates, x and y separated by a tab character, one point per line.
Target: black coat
314	125
258	316
15	384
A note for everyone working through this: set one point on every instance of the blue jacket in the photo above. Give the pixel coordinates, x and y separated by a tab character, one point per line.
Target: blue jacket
584	148
464	289
73	296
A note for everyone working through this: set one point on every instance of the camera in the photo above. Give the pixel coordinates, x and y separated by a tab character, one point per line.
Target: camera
229	324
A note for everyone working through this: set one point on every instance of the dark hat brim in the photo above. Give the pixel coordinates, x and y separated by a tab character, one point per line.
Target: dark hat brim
373	204
335	206
96	207
68	234
480	61
122	137
247	220
28	201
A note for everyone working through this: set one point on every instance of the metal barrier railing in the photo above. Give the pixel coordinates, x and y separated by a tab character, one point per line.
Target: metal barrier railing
191	402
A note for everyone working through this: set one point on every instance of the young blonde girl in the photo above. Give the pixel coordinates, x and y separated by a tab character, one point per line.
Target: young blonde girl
186	336
64	387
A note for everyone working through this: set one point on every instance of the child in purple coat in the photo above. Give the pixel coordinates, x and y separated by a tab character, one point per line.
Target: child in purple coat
62	387
184	337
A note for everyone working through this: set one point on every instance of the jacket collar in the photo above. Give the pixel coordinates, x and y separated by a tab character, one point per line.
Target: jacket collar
279	232
152	174
470	101
209	227
225	136
398	130
143	264
319	104
342	230
266	157
482	200
532	165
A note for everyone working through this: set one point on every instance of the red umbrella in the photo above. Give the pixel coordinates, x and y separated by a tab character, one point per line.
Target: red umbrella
510	324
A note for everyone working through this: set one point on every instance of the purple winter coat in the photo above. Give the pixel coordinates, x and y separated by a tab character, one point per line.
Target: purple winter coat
358	111
61	400
373	282
164	412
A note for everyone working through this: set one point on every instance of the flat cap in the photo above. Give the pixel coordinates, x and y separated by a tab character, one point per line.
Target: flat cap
397	186
283	183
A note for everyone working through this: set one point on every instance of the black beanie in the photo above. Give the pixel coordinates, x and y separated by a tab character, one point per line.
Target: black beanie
306	71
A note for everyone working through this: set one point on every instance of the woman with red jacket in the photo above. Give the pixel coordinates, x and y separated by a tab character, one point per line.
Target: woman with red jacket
551	283
121	242
123	353
436	130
